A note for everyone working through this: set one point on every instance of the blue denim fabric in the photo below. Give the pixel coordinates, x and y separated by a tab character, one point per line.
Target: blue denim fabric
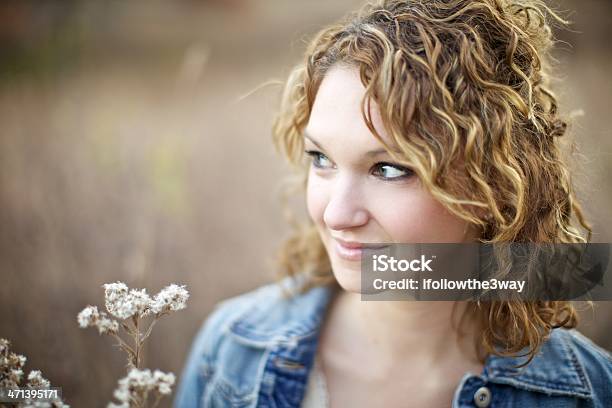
256	350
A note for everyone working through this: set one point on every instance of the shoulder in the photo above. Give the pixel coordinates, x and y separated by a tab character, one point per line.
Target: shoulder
269	314
215	326
210	341
272	313
227	352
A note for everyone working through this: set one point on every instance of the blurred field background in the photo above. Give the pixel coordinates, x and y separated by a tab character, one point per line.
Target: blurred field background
128	152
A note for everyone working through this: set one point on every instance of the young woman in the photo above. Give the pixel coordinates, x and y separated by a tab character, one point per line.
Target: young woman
423	122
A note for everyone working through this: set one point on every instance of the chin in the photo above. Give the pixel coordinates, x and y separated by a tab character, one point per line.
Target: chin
349	279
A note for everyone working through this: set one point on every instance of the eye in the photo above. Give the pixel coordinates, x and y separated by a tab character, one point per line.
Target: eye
390	171
319	160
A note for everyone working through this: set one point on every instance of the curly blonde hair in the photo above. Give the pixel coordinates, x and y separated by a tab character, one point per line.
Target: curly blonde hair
468	80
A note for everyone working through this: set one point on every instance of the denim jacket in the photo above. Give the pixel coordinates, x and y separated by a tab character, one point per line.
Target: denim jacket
256	350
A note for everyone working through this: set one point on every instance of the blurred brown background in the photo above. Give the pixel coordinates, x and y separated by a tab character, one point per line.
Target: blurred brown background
127	152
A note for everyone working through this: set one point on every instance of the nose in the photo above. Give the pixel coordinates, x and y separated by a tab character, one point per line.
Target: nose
345	208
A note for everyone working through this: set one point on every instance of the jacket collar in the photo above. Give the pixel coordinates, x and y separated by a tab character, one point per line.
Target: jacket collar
271	320
555	370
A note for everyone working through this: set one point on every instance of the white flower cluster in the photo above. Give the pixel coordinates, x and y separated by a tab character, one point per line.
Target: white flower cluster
90	316
11	366
11	374
171	298
138	383
36	380
124	303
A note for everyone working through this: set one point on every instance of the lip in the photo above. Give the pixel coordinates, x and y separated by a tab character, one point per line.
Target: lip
352	250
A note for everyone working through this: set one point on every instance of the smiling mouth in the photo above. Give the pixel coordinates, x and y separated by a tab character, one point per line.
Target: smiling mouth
352	251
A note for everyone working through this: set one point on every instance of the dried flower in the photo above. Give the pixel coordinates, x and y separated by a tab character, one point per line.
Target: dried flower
90	316
122	405
163	382
136	386
130	306
87	316
11	366
118	301
11	373
36	380
124	303
171	298
4	345
107	326
140	301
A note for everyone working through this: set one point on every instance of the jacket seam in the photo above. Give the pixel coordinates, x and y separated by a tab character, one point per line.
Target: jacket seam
578	366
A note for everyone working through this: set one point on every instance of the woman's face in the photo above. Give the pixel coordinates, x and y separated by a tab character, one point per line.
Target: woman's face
356	194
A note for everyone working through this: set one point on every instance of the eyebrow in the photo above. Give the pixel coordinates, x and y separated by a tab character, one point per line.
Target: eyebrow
370	153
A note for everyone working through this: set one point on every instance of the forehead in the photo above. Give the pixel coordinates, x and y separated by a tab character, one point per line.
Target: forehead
336	113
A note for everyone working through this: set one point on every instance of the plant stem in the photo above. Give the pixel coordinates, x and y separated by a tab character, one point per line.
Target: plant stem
127	328
157	399
148	332
124	345
137	344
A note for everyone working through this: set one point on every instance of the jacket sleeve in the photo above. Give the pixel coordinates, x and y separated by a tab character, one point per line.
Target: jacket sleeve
202	357
192	379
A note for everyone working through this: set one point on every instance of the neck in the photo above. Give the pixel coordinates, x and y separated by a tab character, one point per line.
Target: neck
396	329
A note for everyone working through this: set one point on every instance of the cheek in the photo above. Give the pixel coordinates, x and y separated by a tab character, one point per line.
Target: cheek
316	199
416	217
